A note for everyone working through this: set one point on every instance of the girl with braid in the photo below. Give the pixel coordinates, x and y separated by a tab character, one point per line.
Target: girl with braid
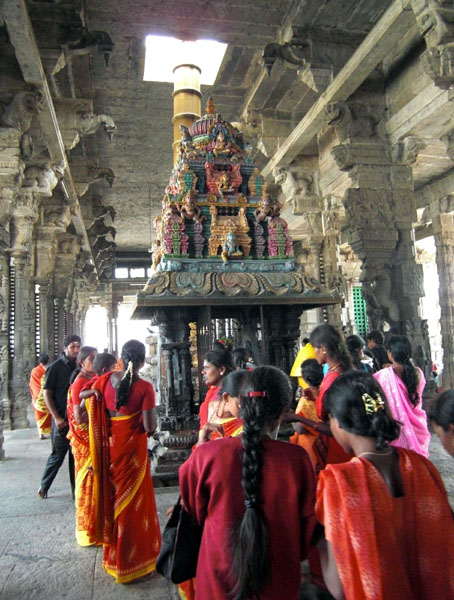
126	521
389	530
255	497
403	384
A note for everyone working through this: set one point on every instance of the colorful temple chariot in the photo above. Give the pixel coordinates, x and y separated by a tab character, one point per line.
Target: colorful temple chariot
223	266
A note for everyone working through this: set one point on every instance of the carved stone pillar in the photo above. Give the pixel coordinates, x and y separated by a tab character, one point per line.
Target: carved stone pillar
5	401
68	250
443	230
109	316
46	317
22	223
334	280
45	253
380	209
115	303
20	370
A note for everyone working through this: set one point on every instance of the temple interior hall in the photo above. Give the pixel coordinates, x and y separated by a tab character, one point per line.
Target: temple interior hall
184	172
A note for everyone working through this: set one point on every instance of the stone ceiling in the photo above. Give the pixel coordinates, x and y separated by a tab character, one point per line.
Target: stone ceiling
140	154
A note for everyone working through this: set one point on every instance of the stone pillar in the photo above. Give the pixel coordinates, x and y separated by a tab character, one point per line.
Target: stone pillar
20	368
68	250
5	401
334	280
443	230
310	319
46	319
22	224
380	210
109	318
114	348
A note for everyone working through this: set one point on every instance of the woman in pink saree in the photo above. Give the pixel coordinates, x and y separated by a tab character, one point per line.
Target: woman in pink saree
403	384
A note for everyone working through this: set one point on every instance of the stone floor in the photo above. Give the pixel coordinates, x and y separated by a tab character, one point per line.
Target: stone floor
39	558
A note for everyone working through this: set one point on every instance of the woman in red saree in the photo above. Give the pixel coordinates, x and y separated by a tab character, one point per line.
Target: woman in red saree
389	530
330	349
255	498
217	364
126	520
224	413
80	446
43	417
225	422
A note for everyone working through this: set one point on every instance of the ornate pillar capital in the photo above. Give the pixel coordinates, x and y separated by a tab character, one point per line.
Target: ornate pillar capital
435	19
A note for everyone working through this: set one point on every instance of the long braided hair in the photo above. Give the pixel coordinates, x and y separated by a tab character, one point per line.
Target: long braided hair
400	348
132	355
265	393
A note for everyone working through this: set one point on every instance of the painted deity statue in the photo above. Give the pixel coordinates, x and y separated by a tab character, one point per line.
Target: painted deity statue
190	210
230	247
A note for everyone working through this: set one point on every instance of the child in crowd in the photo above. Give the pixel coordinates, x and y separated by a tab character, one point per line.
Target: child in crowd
312	373
103	363
250	546
442	417
225	420
388	526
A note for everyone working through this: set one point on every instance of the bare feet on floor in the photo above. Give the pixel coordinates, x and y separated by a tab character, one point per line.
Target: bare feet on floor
42	494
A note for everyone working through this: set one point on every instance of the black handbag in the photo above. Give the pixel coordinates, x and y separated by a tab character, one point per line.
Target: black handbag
177	560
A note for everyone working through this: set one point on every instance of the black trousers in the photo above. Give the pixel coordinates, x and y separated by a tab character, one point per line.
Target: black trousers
60	446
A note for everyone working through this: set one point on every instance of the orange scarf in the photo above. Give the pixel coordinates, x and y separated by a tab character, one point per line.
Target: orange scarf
393	548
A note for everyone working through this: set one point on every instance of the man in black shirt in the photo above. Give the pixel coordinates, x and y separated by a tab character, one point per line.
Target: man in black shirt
376	350
56	386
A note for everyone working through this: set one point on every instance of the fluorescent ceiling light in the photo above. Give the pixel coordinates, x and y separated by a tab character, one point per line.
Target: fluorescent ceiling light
163	54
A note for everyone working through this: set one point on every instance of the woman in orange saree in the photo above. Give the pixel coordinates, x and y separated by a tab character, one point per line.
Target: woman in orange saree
126	520
80	446
43	417
389	529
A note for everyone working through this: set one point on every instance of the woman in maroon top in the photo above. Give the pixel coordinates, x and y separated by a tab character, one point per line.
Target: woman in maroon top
252	543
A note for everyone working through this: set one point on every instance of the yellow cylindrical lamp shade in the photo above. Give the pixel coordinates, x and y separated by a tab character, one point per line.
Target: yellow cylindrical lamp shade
187	106
306	352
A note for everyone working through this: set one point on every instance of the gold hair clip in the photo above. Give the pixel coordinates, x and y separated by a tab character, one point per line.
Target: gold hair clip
371	404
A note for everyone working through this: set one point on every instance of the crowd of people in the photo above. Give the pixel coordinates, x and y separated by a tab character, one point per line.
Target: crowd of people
353	492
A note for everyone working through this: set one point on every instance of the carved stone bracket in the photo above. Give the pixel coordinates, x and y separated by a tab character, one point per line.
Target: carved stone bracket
358	120
42	180
24	216
20	111
293	54
406	150
77	119
299	188
448	140
435	20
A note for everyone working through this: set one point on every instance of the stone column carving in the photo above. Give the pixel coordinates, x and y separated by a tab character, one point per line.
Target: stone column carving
22	224
380	209
334	279
45	253
65	263
443	230
5	402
